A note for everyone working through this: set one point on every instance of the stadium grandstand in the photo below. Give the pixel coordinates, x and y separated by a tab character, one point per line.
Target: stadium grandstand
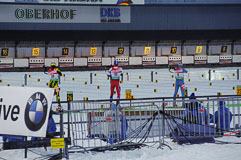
77	34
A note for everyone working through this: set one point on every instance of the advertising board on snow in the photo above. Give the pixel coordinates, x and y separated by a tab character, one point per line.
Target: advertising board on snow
24	111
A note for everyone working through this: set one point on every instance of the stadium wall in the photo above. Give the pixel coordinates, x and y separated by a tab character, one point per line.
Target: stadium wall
149	35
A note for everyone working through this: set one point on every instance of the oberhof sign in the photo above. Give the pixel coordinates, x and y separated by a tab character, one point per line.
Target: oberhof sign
64	14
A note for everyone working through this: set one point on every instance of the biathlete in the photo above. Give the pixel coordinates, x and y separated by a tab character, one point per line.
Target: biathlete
115	73
54	73
179	75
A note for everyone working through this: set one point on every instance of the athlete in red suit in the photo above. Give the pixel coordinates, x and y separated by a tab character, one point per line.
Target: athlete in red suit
115	73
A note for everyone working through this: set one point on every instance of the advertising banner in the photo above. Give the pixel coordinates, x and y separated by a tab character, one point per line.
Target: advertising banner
64	14
24	111
117	2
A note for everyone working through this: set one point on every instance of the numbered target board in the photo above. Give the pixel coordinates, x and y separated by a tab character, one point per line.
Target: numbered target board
128	93
93	51
147	50
120	50
173	50
199	49
65	51
4	52
238	89
69	95
35	52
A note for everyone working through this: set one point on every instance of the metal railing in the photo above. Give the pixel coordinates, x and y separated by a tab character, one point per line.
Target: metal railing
101	124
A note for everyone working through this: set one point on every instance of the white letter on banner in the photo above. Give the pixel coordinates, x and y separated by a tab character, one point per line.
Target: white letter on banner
30	101
38	96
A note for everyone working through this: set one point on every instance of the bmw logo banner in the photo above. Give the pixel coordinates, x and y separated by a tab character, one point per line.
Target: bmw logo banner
25	110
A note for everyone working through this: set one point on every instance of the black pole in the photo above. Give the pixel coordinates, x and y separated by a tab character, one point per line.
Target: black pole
151	76
163	119
25	149
209	74
25	79
66	145
237	74
59	79
91	77
68	120
61	128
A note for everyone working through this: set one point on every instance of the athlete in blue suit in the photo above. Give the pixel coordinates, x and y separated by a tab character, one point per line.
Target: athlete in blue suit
179	75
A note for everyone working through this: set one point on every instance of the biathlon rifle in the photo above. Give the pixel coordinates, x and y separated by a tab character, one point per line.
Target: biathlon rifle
107	73
45	69
171	68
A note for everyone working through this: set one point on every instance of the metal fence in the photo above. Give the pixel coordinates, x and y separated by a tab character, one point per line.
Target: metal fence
101	124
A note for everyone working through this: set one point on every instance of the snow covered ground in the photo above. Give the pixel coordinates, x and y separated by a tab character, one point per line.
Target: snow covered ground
206	151
223	80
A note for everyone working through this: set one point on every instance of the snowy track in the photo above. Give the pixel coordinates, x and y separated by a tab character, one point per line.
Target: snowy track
223	80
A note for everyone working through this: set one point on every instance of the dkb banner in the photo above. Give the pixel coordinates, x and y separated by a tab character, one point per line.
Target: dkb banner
24	111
